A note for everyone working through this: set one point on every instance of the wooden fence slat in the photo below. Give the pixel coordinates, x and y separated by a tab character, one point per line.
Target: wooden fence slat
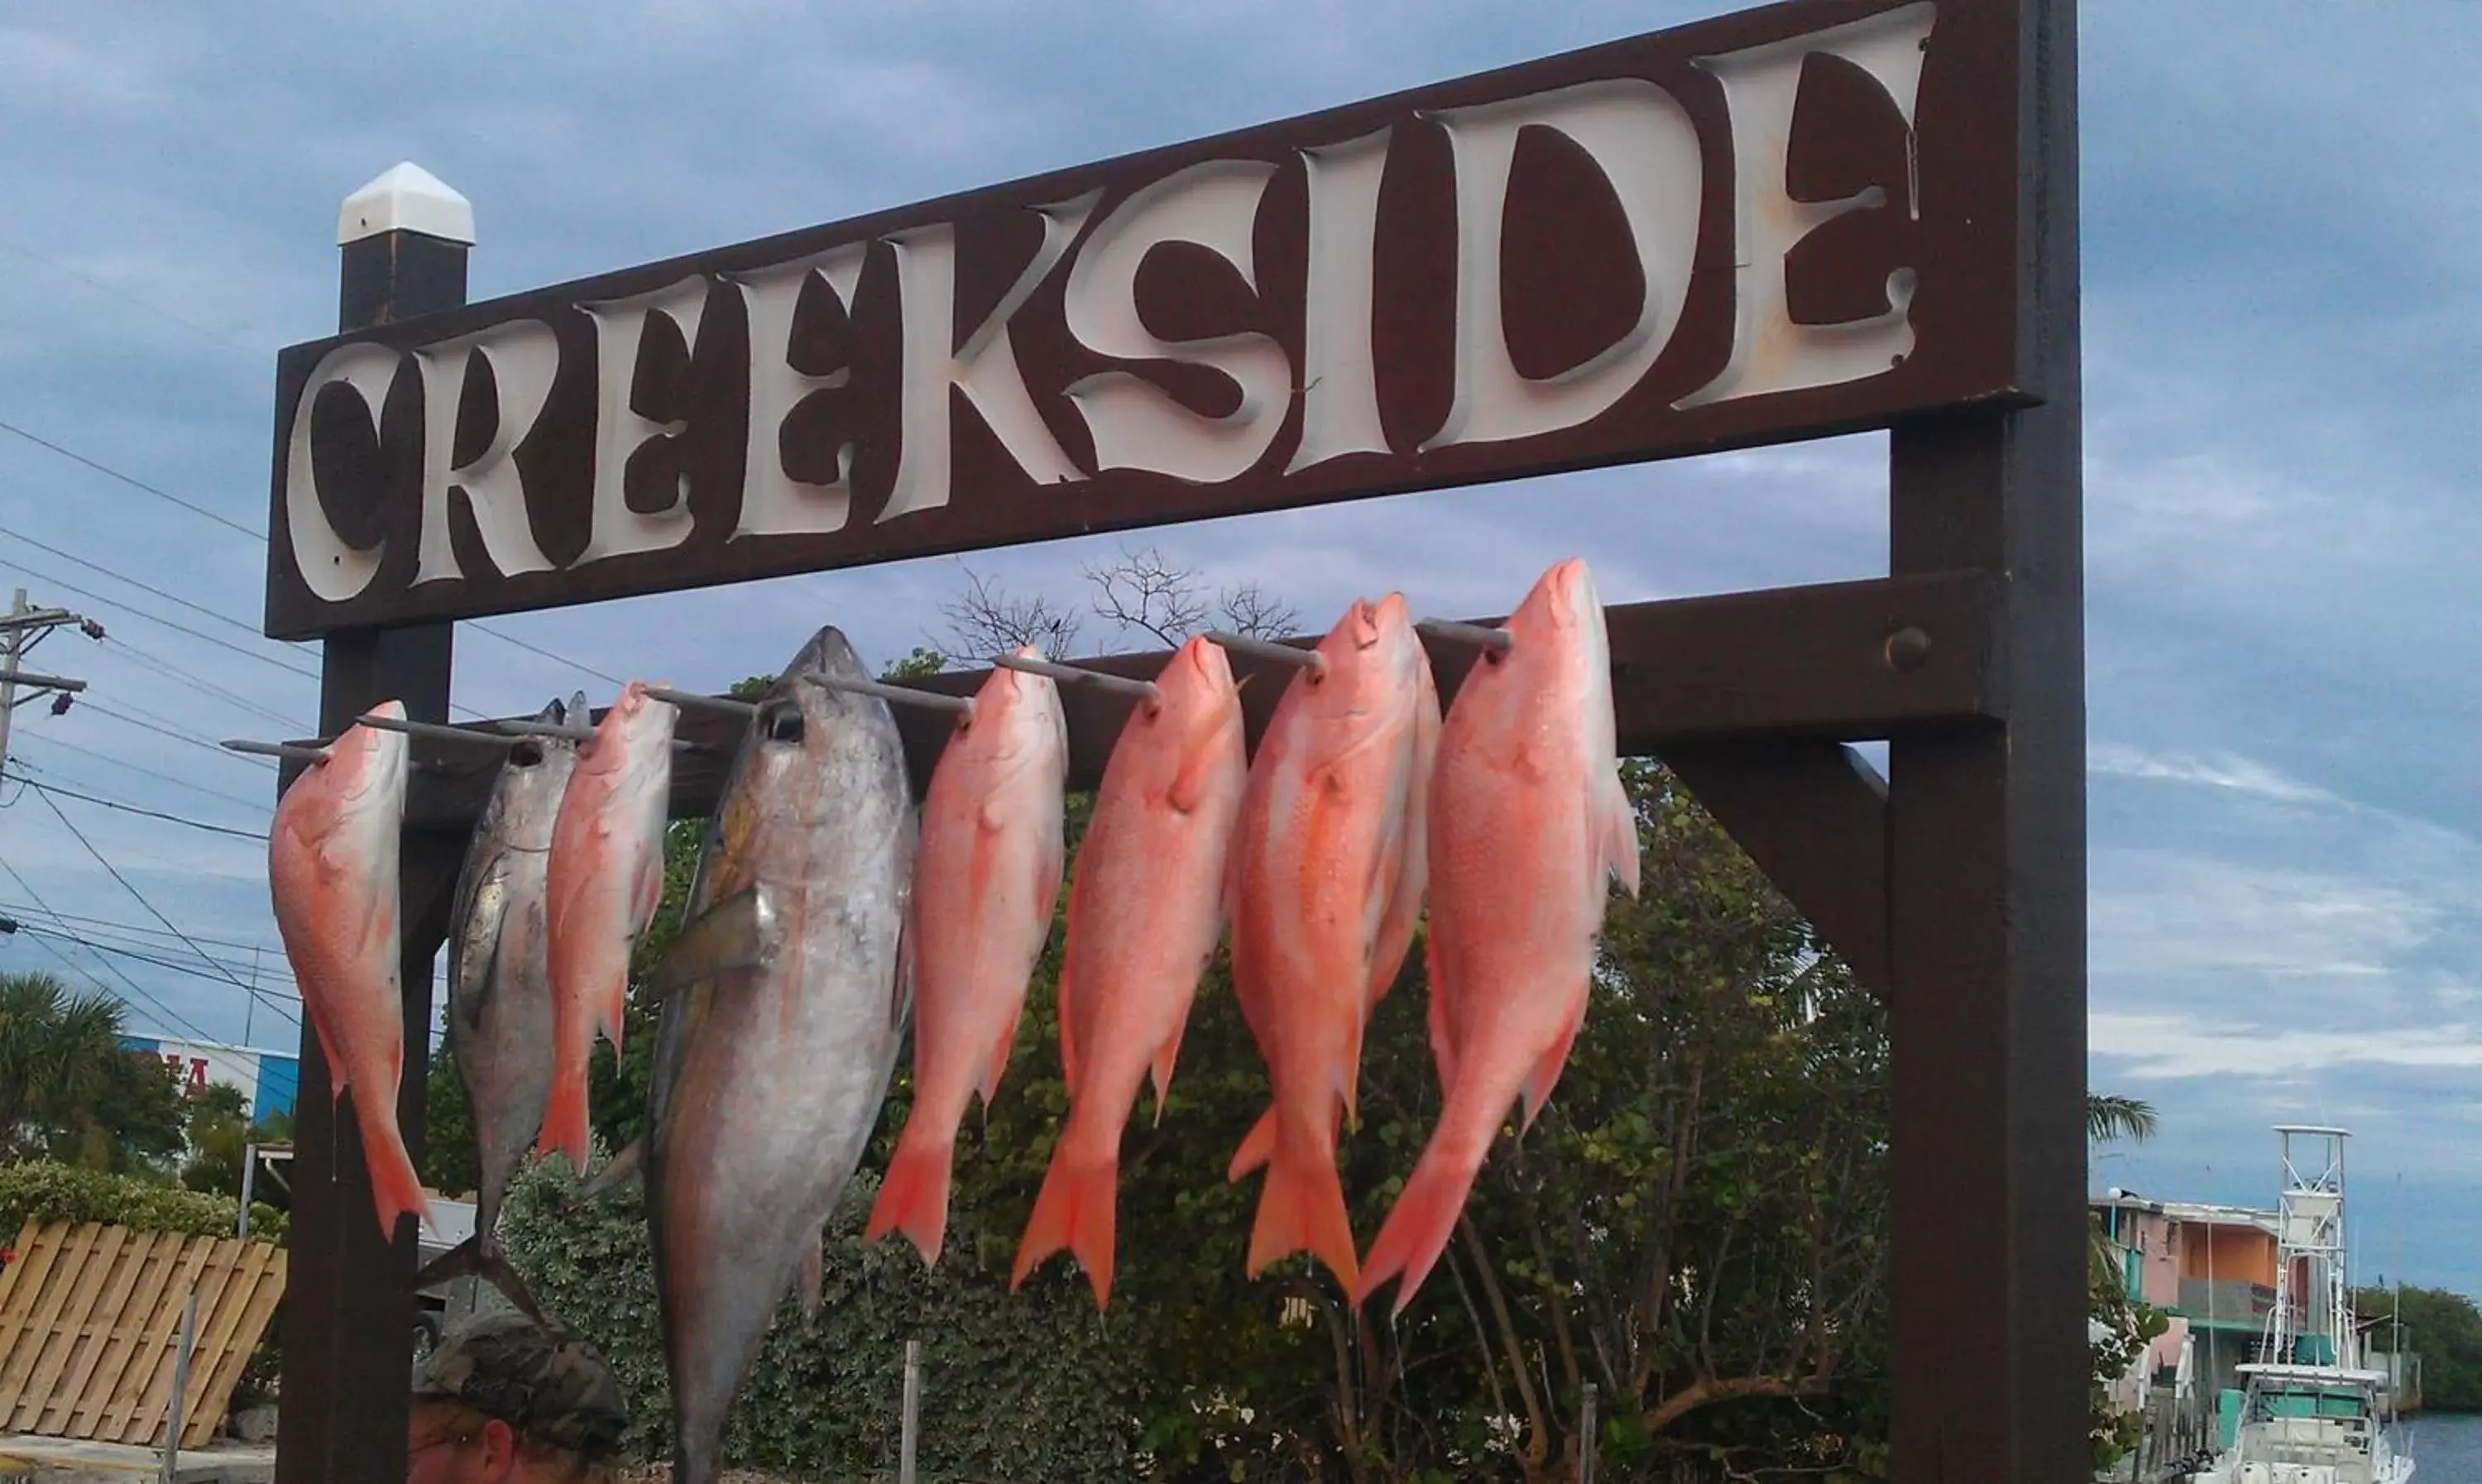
68	1333
90	1321
129	1337
61	1405
141	1410
112	1355
35	1335
235	1335
36	1253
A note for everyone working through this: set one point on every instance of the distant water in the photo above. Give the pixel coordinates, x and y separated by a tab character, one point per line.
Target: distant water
2447	1450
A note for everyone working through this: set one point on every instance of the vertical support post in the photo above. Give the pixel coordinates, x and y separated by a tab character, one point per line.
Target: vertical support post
910	1437
249	1178
350	1309
1586	1436
176	1417
1986	882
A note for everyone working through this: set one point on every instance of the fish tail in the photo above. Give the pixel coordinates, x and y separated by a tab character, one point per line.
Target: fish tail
1256	1146
1416	1229
1076	1210
471	1258
1301	1207
913	1197
396	1190
563	1120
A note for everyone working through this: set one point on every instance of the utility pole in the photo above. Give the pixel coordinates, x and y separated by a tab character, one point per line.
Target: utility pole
20	631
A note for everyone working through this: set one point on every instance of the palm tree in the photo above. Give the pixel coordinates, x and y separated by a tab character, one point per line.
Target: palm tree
67	1087
2109	1117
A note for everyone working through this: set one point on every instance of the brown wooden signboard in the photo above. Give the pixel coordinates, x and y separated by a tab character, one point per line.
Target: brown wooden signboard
1791	222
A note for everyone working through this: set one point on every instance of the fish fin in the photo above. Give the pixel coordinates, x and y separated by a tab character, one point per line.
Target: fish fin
1442	1024
812	1280
1255	1146
900	993
1545	1076
738	932
1068	1035
1165	1055
1002	1049
1617	834
913	1194
396	1190
468	1260
1197	766
1302	1207
617	1172
1416	1229
564	1121
1076	1210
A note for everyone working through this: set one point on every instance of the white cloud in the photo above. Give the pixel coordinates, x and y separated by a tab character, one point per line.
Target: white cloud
2216	770
2157	1047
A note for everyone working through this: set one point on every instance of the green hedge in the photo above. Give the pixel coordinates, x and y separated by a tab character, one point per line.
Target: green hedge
1030	1385
42	1191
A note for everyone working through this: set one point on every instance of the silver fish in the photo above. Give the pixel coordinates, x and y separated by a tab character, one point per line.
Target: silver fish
499	989
783	1003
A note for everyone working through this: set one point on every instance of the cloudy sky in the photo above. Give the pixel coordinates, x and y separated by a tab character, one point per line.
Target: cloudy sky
2283	313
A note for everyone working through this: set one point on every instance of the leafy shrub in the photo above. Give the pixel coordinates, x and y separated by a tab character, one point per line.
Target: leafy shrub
42	1191
1030	1385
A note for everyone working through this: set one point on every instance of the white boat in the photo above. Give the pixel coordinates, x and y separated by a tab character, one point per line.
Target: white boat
2310	1410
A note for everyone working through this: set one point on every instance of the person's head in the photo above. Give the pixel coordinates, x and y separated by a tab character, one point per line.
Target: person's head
506	1400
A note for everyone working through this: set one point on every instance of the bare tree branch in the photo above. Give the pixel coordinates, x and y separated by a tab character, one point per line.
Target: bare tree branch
1251	611
986	621
1145	590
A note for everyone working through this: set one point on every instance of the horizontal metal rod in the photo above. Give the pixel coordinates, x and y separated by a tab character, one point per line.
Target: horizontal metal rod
38	618
896	695
560	730
732	704
290	750
1073	674
47	681
438	732
1496	640
1310	660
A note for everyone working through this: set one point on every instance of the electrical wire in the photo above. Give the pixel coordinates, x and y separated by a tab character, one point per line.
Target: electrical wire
173	671
122	605
261	806
140	897
86	923
162	1008
145	587
132	809
154	961
191	738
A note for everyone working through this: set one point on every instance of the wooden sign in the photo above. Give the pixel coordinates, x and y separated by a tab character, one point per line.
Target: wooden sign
1778	225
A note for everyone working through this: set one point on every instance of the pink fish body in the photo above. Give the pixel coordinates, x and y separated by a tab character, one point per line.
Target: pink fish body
984	888
1324	903
604	878
332	873
1145	908
1528	823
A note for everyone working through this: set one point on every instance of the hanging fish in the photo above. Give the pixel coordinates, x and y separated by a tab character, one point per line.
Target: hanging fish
499	988
984	885
605	877
1322	900
1528	820
332	876
783	1003
1144	911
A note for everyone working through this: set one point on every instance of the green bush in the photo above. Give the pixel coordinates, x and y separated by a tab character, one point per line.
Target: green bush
1030	1385
39	1190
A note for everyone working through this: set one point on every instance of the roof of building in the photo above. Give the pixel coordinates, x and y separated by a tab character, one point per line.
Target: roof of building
2192	1212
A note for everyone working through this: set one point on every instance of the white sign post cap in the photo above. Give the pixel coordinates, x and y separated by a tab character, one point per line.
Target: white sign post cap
405	198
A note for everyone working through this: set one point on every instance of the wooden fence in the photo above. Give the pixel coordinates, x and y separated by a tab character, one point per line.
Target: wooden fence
91	1317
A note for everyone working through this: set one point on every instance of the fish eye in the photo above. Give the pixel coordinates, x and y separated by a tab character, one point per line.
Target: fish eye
525	754
782	723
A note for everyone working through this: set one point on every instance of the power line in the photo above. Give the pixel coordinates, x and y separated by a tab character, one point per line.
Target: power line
163	1009
90	923
191	738
172	671
132	809
153	959
135	483
87	752
140	897
132	609
117	292
146	587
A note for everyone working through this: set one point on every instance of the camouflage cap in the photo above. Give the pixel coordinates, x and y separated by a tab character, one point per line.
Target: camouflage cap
544	1380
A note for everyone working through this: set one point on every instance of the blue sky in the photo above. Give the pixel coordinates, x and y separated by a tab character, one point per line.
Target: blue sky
2283	311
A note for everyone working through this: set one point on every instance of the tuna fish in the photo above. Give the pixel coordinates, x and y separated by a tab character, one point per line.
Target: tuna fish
606	875
1144	911
1528	821
984	886
783	1003
499	988
332	875
1323	907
